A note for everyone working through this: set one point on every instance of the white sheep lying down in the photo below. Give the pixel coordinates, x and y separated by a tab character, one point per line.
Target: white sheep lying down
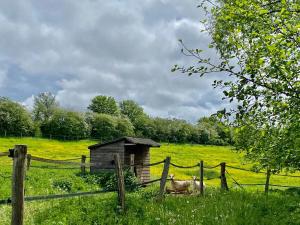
196	184
180	185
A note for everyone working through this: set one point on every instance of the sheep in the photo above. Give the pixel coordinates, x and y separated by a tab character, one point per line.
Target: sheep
196	184
179	186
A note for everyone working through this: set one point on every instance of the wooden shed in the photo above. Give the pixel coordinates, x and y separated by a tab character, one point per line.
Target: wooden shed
130	149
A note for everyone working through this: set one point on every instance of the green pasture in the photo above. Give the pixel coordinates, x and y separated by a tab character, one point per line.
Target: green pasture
141	206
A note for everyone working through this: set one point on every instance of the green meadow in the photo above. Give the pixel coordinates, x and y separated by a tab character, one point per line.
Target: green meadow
238	206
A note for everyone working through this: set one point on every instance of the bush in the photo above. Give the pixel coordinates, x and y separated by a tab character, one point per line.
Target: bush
108	180
65	124
14	119
63	185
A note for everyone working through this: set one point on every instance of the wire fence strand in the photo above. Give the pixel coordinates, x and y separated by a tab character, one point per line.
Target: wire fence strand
58	196
272	185
282	175
234	180
55	168
63	162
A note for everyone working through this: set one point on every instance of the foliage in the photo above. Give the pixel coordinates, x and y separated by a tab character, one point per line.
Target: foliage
14	119
130	120
44	106
63	185
108	180
107	127
258	47
180	131
218	132
65	124
105	105
139	119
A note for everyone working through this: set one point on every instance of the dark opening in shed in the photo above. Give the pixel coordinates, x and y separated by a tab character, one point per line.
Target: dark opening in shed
128	148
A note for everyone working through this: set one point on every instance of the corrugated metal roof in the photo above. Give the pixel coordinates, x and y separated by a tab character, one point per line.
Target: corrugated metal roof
131	140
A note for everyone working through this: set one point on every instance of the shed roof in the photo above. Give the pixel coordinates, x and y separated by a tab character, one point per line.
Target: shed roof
131	140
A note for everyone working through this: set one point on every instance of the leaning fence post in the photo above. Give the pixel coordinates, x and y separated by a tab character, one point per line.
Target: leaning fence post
201	177
164	177
120	179
267	181
28	161
83	159
224	185
18	177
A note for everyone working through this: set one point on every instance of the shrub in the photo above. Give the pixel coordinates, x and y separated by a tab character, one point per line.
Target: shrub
63	185
108	180
65	124
14	119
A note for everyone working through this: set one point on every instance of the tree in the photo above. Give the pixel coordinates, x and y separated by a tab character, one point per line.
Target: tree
65	125
218	132
104	104
137	116
132	110
107	127
44	106
14	119
258	46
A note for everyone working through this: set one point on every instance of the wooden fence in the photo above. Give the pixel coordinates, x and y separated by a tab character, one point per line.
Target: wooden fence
22	162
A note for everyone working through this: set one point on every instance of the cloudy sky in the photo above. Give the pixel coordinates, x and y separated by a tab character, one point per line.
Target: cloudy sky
125	49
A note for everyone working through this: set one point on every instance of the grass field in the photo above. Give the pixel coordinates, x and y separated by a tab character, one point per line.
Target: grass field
230	208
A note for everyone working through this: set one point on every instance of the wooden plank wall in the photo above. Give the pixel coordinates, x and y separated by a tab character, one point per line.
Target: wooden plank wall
105	156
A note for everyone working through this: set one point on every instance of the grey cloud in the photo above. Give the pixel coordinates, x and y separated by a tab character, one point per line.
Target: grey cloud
126	49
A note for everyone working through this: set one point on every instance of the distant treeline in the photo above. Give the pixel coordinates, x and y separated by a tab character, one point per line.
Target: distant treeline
104	120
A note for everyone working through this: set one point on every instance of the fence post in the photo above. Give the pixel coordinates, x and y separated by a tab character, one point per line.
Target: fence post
201	177
120	178
132	163
18	177
267	181
224	185
164	177
83	159
28	161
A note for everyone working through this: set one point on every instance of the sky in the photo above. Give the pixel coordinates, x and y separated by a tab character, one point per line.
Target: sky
125	49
